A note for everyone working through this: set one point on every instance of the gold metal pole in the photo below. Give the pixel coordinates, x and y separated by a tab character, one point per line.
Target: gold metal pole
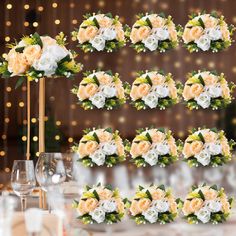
42	198
28	121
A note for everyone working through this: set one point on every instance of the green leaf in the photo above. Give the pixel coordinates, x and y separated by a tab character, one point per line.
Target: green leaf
38	39
20	49
64	59
96	137
108	130
19	82
96	80
149	137
201	195
201	23
109	186
201	80
96	195
149	80
162	187
96	22
140	187
201	137
149	195
149	23
214	187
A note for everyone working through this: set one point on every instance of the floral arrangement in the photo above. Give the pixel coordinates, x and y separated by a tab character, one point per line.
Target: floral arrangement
154	89
100	204
153	32
153	146
207	89
100	32
207	32
100	147
100	89
153	204
207	147
206	204
37	56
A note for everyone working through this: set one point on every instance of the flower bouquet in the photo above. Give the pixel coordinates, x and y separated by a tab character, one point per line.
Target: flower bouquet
100	147
206	204
100	89
100	204
205	89
153	32
100	32
153	147
153	204
154	89
207	32
37	56
207	147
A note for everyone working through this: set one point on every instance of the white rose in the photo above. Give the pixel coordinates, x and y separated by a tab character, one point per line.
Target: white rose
214	91
98	215
109	148
151	157
214	149
161	33
161	148
151	100
214	33
56	52
162	91
108	33
98	157
150	42
47	64
98	42
161	205
98	100
203	215
108	91
151	215
108	205
203	100
203	43
213	205
203	157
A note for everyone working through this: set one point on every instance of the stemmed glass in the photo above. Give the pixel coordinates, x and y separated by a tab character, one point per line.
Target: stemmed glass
50	170
23	179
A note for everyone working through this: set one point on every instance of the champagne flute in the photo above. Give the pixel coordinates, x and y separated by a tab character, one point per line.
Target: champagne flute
23	179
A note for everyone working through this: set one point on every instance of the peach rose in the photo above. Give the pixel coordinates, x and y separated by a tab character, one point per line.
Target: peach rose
187	150
143	89
187	36
210	136
134	35
209	79
225	205
157	136
120	34
104	21
120	147
104	194
134	92
186	208
48	41
120	205
104	136
157	194
225	90
139	148
90	147
143	32
173	207
17	62
104	78
196	32
173	33
172	90
82	208
32	53
209	21
120	91
187	95
144	204
196	89
81	93
196	204
81	35
90	32
91	204
209	193
172	146
134	209
90	89
157	79
196	147
225	148
157	21
225	33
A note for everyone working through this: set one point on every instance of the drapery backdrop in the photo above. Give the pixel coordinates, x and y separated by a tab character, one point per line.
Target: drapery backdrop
65	120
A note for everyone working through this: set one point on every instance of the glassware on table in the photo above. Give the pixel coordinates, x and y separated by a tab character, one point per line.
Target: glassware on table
50	170
23	179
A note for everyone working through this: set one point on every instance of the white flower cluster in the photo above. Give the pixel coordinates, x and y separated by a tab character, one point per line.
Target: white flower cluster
209	206
104	149
105	206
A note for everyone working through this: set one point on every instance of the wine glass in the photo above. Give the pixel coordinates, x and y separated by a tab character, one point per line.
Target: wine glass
23	179
50	170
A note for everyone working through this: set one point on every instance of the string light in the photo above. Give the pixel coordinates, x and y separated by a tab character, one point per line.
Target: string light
26	6
7	38
8	104
35	138
58	123
4	137
57	22
54	5
70	140
7	120
8	89
2	153
74	21
26	23
8	23
9	6
21	104
23	138
33	120
57	137
40	8
35	24
7	170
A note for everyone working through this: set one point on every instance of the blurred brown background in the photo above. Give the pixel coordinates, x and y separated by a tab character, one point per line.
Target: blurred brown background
65	119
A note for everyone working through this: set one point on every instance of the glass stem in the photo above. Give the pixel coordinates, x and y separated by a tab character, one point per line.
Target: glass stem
23	203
